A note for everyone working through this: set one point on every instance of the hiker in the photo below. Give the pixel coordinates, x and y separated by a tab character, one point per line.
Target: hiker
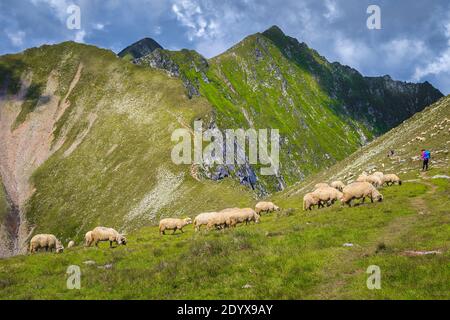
425	158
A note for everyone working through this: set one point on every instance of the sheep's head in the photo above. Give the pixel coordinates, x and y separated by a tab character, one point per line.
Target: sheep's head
378	196
257	216
59	248
121	239
277	208
188	220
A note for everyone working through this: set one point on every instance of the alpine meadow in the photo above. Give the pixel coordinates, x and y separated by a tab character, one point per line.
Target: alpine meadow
88	181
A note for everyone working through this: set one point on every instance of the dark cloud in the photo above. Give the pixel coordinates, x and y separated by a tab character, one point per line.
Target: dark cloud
413	44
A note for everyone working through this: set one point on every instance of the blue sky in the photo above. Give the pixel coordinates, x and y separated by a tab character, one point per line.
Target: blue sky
413	43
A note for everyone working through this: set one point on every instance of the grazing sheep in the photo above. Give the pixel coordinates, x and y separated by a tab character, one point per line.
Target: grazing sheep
360	190
379	174
246	215
327	195
391	179
104	234
373	179
47	241
173	224
203	219
309	201
338	185
266	206
71	244
320	185
220	220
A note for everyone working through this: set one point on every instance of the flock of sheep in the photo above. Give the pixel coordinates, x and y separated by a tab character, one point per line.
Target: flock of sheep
229	217
364	186
323	194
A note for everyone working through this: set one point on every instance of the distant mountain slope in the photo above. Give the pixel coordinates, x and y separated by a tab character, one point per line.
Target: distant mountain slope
428	129
270	80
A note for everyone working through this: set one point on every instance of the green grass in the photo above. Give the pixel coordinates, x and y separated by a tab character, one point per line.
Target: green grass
291	254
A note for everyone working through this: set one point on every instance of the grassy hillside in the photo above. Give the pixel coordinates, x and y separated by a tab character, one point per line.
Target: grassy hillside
291	254
270	80
109	151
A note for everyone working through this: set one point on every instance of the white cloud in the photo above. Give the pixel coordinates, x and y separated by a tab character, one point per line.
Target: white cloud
438	65
16	37
332	12
351	52
98	26
58	6
79	36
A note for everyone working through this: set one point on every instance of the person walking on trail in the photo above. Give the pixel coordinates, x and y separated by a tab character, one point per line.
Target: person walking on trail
425	158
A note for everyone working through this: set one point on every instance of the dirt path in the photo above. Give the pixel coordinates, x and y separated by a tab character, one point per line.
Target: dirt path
344	269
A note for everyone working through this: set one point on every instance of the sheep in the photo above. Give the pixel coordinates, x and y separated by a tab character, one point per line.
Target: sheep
104	234
47	241
379	174
246	215
358	190
391	179
327	195
320	185
71	244
338	185
264	206
309	201
173	224
203	219
373	179
220	219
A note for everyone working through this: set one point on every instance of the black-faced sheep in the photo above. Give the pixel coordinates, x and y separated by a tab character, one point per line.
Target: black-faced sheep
360	190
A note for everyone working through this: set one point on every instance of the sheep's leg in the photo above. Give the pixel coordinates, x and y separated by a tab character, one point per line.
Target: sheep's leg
181	230
174	230
110	243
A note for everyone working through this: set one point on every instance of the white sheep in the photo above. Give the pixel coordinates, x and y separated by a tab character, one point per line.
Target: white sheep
338	185
173	224
309	201
360	190
104	234
391	179
373	179
47	241
327	195
246	215
320	185
266	206
203	219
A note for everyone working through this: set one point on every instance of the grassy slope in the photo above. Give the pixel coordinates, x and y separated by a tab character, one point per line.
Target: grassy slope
248	92
270	80
121	174
291	254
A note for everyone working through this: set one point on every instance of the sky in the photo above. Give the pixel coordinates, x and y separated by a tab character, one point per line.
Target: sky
413	43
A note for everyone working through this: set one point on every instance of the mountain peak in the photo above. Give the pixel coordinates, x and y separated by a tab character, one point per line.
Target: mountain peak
139	49
274	31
